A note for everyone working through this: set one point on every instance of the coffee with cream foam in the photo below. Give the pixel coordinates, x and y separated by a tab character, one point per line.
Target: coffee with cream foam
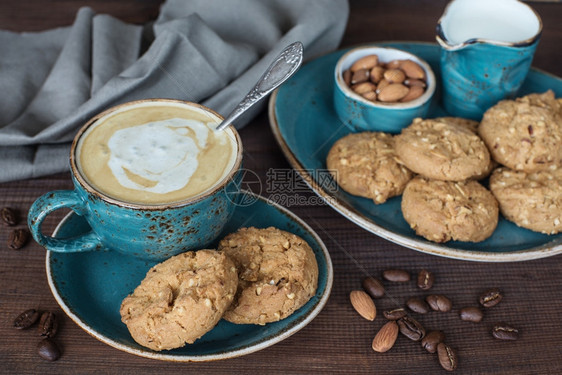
156	152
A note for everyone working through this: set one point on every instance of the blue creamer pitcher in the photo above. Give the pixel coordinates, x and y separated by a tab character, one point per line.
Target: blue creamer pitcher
487	47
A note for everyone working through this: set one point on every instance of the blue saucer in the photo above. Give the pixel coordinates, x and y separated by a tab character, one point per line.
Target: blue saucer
305	124
90	287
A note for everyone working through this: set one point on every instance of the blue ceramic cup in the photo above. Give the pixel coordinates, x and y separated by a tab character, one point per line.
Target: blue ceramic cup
486	51
143	226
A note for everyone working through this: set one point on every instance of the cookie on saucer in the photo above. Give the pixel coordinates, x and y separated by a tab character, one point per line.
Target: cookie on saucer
366	165
442	149
180	299
277	272
530	200
441	211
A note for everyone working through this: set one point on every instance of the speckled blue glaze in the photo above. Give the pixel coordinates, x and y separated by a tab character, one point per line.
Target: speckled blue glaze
306	125
153	232
90	287
478	73
360	114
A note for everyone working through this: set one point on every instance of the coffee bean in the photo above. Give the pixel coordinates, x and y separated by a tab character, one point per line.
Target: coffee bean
48	350
431	340
373	287
411	328
18	238
425	279
439	302
491	297
471	314
396	275
8	216
48	324
26	319
503	331
394	314
417	305
447	357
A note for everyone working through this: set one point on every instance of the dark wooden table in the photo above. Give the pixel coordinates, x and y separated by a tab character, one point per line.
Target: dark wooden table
338	340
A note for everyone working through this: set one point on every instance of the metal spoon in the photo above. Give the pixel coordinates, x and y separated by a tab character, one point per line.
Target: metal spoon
283	67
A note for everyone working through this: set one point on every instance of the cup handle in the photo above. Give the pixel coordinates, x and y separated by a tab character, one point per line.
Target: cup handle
51	202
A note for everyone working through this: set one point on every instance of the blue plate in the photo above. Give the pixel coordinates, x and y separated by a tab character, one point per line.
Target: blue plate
90	287
306	126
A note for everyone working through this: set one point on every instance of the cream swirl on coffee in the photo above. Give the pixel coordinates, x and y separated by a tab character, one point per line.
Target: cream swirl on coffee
156	153
162	152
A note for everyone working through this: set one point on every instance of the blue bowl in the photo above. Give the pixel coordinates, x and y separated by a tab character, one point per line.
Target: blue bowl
360	114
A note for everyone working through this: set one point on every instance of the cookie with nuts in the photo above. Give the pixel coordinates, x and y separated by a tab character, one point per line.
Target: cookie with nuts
180	299
365	164
530	200
442	211
277	272
442	149
525	134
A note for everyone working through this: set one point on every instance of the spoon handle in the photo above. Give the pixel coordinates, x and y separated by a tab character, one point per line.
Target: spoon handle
283	67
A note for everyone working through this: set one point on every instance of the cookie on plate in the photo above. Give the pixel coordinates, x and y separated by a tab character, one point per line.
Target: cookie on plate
277	272
442	149
446	210
180	299
366	165
530	200
525	134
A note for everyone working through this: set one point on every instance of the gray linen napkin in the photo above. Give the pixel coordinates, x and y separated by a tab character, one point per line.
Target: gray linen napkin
207	51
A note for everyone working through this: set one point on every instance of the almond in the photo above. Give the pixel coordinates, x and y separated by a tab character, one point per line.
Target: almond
385	337
393	92
363	88
370	95
363	304
366	62
347	77
361	75
382	84
414	82
394	76
394	64
412	69
376	74
414	93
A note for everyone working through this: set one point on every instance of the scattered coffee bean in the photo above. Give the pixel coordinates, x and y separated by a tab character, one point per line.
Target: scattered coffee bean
431	340
48	350
394	314
48	324
471	314
8	216
425	279
411	328
396	275
447	357
385	337
417	305
373	287
503	331
439	302
26	319
491	297
18	238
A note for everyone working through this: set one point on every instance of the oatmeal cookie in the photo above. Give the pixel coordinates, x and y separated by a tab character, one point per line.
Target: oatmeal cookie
530	200
180	299
442	149
446	210
366	165
277	274
525	134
